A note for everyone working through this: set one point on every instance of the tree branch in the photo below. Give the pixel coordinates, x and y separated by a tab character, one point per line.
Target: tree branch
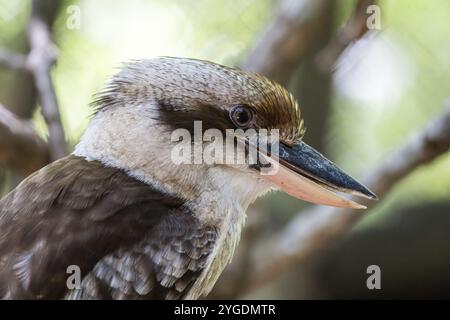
354	29
286	40
12	60
314	229
21	149
40	61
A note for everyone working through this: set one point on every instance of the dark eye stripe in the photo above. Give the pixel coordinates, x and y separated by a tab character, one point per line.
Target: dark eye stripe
177	117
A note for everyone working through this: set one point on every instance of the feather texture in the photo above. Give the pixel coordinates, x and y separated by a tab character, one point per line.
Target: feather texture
129	240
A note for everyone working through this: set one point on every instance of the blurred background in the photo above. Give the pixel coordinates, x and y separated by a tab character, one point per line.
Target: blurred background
367	80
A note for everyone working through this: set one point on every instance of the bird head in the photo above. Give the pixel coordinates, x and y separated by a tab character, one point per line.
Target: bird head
141	107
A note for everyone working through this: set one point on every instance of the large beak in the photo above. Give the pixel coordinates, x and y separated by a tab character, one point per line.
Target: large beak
306	174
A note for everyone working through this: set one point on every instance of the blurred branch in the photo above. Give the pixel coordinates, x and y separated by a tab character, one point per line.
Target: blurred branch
354	29
12	60
21	149
287	38
314	229
40	61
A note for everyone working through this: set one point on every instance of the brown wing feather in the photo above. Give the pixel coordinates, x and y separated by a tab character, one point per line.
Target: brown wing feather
162	266
75	212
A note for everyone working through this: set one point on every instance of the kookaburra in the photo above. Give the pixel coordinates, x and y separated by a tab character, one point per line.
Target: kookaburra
138	225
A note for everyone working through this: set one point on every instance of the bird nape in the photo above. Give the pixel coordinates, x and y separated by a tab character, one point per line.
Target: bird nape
135	221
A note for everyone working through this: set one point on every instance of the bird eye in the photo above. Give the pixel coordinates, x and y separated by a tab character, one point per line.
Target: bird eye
241	116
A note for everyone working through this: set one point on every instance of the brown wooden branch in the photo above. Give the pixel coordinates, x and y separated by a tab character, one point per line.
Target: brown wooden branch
354	29
40	61
286	40
21	149
316	228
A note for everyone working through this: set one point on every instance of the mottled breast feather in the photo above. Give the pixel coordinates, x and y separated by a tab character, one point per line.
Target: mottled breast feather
130	240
